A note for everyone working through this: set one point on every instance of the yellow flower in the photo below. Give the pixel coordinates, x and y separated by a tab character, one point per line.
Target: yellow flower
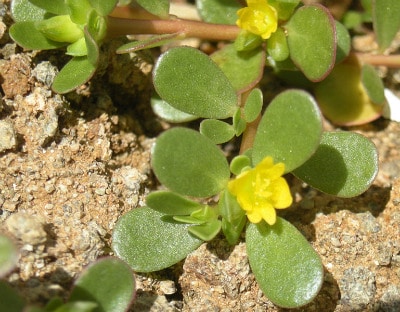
261	190
259	18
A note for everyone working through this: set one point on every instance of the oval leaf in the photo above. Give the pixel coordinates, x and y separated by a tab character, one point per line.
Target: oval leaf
147	243
103	7
109	282
156	7
286	267
253	106
190	81
10	300
386	21
170	203
312	41
218	11
342	97
289	131
57	7
373	84
165	111
35	40
74	74
345	164
25	11
216	130
232	63
190	164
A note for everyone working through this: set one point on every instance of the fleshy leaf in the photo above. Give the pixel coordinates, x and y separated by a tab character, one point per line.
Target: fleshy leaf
373	84
147	243
191	82
74	74
345	164
252	107
232	63
79	10
156	7
104	7
25	11
216	130
233	217
286	267
189	163
8	255
10	300
206	231
36	40
169	113
277	46
342	97
238	163
289	131
312	41
343	42
239	124
386	21
57	7
170	203
218	11
285	8
109	282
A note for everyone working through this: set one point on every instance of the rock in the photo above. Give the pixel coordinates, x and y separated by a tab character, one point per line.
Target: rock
8	137
390	300
27	228
357	288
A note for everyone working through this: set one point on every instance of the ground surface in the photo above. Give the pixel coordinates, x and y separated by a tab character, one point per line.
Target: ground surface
70	166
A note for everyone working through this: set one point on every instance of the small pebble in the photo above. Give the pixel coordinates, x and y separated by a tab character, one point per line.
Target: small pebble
8	137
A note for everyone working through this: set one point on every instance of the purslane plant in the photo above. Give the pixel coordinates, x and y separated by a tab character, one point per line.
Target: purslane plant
305	47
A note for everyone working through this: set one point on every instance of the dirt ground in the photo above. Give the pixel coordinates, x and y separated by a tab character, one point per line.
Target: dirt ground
71	165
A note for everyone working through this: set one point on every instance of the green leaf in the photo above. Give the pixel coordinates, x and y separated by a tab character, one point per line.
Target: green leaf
79	10
60	28
92	48
8	255
286	267
169	113
77	306
232	63
109	282
373	84
312	41
74	74
190	164
284	8
277	46
27	36
218	11
342	97
386	21
206	231
170	203
191	82
238	163
289	131
156	7
147	243
233	217
151	42
343	42
103	7
252	107
78	48
57	7
217	131
345	164
10	300
25	11
239	124
97	26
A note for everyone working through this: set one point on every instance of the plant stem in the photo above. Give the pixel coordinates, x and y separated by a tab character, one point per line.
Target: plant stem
121	26
392	61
